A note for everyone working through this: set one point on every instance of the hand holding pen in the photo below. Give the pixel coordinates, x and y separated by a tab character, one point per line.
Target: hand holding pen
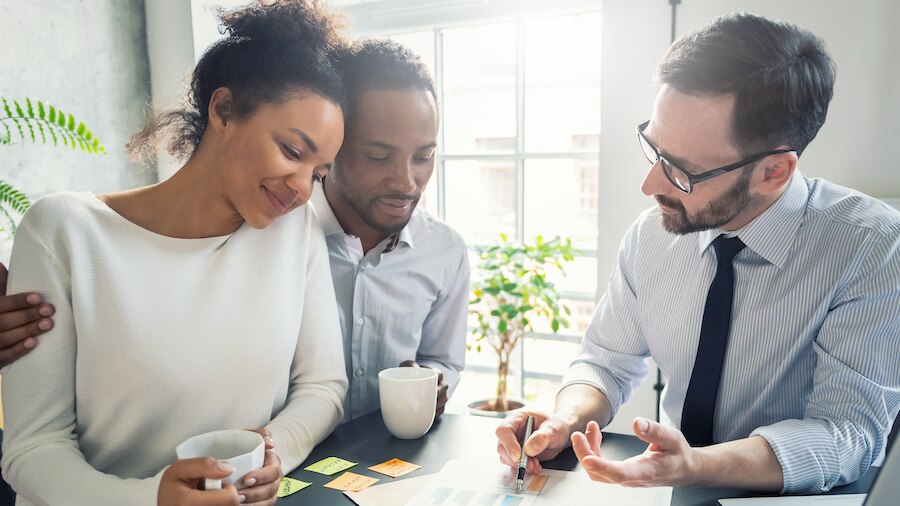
523	458
549	436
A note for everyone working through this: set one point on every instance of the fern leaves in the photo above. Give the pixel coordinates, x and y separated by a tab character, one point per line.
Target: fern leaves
32	120
12	201
35	121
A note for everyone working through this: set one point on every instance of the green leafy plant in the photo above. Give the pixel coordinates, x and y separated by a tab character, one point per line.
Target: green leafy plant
510	291
35	121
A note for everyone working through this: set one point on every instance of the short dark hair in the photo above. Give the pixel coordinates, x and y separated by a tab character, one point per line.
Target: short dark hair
781	77
270	50
382	64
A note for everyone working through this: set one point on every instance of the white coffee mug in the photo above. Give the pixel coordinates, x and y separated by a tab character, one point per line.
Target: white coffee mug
408	397
244	450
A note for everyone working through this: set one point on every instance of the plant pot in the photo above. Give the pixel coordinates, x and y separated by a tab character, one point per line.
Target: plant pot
485	407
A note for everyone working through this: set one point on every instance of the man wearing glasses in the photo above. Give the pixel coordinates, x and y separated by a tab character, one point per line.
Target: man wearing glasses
770	300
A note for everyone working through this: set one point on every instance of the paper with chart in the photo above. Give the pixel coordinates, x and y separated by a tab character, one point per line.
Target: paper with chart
489	484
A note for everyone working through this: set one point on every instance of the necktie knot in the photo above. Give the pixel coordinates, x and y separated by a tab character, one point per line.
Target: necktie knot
727	248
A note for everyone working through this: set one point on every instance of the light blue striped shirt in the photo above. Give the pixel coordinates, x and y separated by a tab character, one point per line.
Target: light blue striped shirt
813	362
409	303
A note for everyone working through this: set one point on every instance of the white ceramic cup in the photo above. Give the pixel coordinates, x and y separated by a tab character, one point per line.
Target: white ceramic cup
244	450
408	397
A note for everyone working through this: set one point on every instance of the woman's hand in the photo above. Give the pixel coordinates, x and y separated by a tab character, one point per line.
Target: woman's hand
178	486
262	484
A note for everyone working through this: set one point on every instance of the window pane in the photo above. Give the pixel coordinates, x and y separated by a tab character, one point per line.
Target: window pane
429	199
421	43
474	386
481	199
548	357
480	89
562	83
541	390
561	199
580	277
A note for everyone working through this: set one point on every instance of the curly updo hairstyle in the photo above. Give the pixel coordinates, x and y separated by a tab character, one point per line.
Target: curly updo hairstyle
271	49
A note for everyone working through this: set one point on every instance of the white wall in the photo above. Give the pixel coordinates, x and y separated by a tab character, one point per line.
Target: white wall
858	145
635	34
90	59
170	50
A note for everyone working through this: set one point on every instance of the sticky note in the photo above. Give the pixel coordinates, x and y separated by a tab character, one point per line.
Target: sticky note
395	468
351	481
289	486
536	483
330	465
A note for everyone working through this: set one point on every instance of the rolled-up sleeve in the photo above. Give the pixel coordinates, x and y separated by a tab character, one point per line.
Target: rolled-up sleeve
856	385
614	354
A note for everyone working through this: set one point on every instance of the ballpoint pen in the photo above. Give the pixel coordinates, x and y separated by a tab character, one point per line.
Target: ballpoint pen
523	458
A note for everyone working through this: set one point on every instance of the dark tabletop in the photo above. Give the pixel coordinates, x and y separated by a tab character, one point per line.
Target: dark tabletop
465	437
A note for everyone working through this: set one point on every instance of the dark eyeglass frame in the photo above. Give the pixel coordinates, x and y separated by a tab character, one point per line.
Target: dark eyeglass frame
692	179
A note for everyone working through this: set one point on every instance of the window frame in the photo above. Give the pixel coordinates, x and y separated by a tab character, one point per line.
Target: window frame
518	373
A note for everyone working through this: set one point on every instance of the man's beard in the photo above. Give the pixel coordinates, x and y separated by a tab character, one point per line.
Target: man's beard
717	213
363	209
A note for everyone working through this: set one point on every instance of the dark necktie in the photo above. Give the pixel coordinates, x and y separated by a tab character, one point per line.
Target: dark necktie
700	400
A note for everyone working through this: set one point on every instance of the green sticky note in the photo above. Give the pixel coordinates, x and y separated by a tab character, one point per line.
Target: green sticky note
330	466
289	486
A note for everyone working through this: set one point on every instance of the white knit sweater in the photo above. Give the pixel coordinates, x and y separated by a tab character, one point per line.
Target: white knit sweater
158	339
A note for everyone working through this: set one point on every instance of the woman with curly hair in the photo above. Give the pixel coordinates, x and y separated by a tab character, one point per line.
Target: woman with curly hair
200	303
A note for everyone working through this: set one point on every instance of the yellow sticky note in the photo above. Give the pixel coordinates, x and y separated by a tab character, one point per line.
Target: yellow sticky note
351	481
395	468
330	465
289	486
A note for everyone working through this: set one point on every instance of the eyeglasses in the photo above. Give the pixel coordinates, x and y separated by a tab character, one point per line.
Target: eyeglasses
681	178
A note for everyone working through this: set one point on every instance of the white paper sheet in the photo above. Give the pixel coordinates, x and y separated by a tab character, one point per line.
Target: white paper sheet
480	484
390	493
811	500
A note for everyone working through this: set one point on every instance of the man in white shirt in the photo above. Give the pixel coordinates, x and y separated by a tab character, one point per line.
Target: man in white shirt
401	276
768	299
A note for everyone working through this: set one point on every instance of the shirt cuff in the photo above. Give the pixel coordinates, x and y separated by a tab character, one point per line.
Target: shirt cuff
599	378
805	449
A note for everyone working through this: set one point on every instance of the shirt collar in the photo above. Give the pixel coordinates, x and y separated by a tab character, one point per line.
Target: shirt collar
772	233
331	225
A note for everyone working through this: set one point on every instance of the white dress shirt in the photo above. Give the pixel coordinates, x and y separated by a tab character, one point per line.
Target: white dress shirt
812	361
407	303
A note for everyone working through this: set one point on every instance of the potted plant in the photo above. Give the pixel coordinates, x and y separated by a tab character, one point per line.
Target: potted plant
510	291
33	120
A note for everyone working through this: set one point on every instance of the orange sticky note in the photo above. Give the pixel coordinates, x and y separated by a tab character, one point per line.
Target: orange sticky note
351	481
395	468
536	483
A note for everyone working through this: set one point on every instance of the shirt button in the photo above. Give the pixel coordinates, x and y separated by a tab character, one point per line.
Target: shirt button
359	372
359	321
